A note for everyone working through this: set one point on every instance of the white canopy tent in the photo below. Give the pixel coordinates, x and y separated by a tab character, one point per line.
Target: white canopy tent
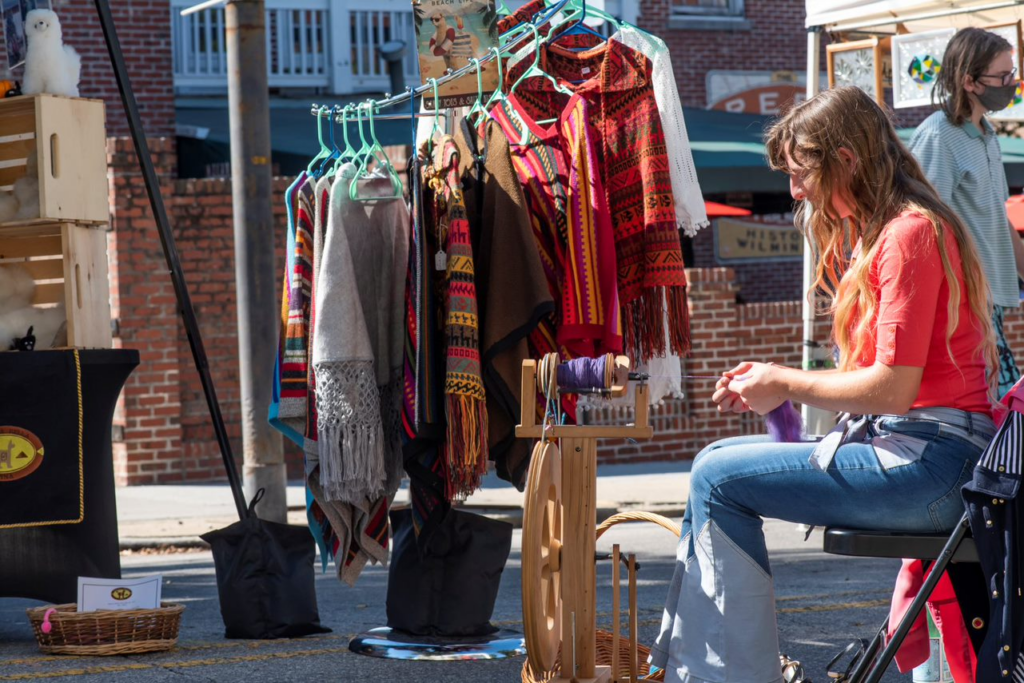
882	17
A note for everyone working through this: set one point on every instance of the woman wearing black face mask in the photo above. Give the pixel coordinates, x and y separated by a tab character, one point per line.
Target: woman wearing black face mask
959	152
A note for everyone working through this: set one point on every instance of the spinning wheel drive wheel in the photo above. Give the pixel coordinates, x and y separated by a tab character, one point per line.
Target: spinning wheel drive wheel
542	557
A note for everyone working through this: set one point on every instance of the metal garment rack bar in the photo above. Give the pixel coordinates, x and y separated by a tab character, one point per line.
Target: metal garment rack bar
539	20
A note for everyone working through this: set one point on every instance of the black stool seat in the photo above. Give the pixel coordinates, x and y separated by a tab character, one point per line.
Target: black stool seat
890	544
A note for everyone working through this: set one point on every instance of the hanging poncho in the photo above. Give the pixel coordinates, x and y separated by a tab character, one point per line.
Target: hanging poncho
357	357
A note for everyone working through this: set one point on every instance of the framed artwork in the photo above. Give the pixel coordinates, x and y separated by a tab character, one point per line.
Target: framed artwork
448	34
858	63
1012	33
916	63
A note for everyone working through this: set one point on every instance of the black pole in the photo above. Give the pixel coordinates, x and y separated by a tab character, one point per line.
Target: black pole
188	314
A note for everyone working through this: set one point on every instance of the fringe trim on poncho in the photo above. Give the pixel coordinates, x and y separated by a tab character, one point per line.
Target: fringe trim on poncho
465	448
351	440
645	319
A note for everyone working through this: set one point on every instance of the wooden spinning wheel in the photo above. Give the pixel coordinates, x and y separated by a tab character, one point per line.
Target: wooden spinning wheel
542	556
559	524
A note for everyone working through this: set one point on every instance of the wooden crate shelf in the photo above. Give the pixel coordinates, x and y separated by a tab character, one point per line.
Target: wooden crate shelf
69	264
69	138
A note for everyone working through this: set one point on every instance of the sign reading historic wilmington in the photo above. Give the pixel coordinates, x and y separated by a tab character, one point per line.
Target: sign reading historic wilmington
748	242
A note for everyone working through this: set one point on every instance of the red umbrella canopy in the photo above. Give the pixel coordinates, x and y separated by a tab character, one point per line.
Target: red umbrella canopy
716	210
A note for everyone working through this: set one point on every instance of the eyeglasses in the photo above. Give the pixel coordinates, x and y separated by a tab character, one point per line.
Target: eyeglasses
1004	78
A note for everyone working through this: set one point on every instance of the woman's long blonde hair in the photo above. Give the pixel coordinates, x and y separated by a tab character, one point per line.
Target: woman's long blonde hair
885	181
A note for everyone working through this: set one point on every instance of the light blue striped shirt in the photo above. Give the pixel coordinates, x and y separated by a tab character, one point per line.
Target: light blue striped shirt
966	167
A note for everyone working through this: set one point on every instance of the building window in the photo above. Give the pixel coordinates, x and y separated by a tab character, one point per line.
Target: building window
708	8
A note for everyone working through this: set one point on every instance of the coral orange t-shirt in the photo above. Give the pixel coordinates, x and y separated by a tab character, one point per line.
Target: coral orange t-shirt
912	316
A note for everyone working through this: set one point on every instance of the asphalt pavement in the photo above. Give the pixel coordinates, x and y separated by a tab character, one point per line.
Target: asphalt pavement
823	601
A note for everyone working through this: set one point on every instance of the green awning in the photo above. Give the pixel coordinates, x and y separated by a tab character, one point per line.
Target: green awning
728	149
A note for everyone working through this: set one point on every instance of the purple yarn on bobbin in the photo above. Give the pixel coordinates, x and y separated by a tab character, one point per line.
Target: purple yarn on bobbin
582	373
785	424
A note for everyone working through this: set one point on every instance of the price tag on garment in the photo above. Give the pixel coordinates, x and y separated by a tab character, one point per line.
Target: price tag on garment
441	260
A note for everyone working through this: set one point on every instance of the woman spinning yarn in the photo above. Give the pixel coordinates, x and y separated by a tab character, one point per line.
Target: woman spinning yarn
912	324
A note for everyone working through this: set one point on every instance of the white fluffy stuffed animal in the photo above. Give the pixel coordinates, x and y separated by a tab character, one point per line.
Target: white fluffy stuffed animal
17	314
50	65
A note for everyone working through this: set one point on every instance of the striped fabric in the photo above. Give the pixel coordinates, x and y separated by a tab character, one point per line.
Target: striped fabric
1006	451
295	370
966	167
592	294
291	428
465	446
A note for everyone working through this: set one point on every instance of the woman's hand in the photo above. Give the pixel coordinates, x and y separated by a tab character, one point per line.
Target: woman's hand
756	385
728	401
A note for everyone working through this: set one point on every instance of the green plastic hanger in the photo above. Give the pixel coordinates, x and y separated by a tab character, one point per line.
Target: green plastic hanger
478	107
435	130
364	147
349	153
499	94
376	152
325	151
535	70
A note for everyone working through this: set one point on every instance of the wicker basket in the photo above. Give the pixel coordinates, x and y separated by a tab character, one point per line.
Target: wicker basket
107	632
603	658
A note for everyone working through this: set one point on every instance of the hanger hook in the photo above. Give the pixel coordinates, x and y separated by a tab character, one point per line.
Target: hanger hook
497	60
437	106
479	79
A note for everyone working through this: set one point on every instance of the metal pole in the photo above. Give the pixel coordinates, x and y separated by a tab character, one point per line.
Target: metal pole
156	202
817	421
255	275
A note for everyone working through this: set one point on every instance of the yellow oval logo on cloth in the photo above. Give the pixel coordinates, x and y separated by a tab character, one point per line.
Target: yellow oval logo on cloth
121	593
21	453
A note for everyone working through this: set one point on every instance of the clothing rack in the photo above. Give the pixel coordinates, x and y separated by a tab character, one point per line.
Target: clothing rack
411	93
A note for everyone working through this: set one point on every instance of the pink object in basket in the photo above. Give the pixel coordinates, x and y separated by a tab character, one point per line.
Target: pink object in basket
47	626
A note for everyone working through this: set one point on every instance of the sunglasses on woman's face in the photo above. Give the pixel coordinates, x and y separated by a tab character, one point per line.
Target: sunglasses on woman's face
436	20
1005	78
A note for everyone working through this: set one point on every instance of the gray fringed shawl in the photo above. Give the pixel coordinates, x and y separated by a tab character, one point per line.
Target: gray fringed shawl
358	342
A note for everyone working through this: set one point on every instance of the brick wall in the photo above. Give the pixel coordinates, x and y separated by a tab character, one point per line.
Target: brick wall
144	31
167	433
776	41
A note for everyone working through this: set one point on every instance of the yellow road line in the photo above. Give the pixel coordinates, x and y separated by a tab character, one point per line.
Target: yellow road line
866	604
185	664
248	644
219	661
794	598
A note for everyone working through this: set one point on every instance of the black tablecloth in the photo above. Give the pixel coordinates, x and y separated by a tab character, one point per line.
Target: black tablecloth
45	562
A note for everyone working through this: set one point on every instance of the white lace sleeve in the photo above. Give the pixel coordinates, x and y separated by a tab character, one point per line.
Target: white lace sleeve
690	212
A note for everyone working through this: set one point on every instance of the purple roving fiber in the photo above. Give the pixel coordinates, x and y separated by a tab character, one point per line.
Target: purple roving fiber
784	424
582	373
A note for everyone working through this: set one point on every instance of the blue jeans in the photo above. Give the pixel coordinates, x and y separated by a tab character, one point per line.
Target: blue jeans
719	621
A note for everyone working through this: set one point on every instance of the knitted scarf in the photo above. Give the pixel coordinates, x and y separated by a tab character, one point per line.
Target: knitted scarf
465	448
